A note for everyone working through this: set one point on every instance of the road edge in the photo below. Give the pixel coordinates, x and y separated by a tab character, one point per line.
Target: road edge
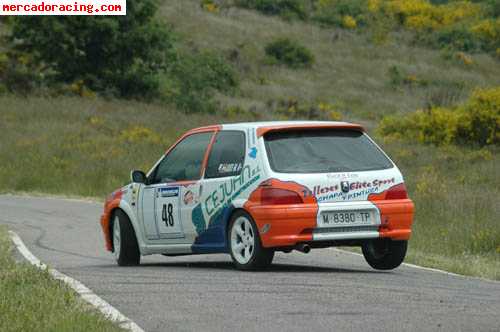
85	293
430	269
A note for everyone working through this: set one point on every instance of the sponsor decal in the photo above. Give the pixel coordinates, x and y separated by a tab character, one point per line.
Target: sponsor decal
345	186
230	189
347	196
169	192
188	197
319	190
253	153
229	168
265	229
347	190
342	175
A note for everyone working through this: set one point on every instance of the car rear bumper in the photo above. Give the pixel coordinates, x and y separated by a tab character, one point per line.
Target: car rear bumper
288	225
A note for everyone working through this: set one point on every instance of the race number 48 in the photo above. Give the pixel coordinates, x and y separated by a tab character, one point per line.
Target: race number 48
167	214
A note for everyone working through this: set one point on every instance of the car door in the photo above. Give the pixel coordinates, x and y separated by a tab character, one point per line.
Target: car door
161	197
225	163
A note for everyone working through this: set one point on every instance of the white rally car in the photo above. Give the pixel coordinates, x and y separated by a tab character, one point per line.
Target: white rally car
251	189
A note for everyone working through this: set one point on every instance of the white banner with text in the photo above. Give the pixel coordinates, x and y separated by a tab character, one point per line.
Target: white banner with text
63	7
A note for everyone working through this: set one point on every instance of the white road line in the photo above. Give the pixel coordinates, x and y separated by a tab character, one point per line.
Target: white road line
424	268
104	307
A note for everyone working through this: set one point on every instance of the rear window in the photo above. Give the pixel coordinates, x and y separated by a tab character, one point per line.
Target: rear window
323	151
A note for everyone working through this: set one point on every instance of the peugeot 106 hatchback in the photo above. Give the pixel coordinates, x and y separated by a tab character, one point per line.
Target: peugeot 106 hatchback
252	189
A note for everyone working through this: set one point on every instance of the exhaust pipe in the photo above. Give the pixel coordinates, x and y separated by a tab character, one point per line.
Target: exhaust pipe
305	248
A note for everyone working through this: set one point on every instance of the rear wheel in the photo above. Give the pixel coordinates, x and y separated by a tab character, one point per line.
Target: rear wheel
385	254
245	246
125	245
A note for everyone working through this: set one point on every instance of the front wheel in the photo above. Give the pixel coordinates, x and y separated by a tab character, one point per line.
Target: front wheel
125	245
245	246
385	254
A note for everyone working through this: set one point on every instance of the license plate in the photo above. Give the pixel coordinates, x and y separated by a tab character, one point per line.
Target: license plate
346	218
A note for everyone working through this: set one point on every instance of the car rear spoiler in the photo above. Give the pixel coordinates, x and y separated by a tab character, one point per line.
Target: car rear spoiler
261	131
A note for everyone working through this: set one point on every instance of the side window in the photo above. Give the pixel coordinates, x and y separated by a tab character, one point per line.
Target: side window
184	161
227	155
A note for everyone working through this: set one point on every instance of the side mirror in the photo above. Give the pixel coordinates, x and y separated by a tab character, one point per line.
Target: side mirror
138	177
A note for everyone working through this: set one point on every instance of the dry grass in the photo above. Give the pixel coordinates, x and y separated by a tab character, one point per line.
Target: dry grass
82	146
457	196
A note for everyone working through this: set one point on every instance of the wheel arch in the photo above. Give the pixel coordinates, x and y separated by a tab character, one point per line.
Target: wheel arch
111	221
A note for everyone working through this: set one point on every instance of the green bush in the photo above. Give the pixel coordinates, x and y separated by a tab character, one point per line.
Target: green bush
457	37
285	8
123	55
290	53
477	122
194	79
18	73
492	8
334	12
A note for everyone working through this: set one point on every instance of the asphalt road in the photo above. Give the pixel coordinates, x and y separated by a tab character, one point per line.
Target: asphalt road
325	290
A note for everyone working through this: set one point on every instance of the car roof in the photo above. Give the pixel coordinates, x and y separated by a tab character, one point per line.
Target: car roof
266	126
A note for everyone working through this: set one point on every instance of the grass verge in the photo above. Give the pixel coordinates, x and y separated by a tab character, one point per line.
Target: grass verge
31	300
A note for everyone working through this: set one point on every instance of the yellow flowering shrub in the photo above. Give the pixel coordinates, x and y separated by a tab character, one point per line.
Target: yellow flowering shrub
349	22
422	14
462	25
454	12
487	28
374	5
422	22
477	122
464	58
210	6
330	112
480	120
335	116
79	88
348	14
408	8
488	31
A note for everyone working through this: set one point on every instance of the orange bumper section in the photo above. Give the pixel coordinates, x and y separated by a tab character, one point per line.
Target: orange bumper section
287	225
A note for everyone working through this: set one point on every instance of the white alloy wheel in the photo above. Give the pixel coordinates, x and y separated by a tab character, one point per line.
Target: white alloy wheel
242	240
116	237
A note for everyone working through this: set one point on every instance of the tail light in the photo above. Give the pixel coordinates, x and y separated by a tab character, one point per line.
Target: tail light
397	192
276	196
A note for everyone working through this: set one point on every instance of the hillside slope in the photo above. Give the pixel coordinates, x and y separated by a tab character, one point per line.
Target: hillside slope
351	72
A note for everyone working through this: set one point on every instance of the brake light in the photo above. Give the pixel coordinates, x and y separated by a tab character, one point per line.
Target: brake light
397	192
276	196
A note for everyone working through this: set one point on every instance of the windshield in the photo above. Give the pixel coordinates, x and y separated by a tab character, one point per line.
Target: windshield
323	151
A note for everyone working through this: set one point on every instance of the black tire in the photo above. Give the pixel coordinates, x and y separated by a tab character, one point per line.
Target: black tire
128	253
261	257
385	254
